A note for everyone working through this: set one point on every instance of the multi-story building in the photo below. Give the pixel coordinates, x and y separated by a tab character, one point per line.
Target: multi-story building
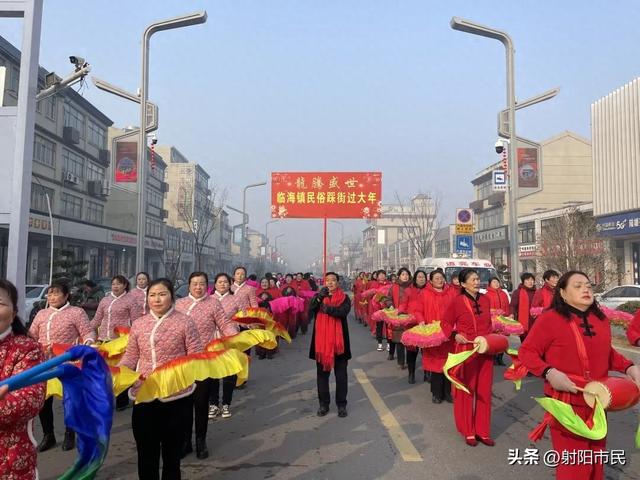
386	242
190	205
122	209
70	164
444	242
616	199
565	176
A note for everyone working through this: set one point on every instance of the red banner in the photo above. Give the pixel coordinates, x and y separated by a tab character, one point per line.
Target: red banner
528	168
326	194
126	162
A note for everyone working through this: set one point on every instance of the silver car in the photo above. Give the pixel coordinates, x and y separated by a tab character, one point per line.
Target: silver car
616	296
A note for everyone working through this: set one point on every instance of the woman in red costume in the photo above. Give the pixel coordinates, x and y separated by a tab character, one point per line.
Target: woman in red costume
380	281
265	294
398	294
499	305
521	301
569	346
414	303
359	286
18	352
469	316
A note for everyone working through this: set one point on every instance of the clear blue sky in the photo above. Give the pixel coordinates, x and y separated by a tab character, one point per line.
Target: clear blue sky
357	85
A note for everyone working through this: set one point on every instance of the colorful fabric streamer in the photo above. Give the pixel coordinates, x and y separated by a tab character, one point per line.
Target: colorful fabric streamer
179	374
88	404
262	317
244	341
617	317
306	294
564	414
454	360
392	317
516	371
535	311
506	326
122	378
424	336
285	304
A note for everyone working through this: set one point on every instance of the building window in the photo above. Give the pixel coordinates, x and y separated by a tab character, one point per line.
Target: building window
527	232
95	134
49	105
73	163
95	212
39	197
484	190
14	81
491	219
155	198
154	228
44	151
94	172
73	118
442	248
71	206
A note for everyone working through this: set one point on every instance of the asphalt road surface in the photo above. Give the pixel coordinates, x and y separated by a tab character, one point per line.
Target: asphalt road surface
393	429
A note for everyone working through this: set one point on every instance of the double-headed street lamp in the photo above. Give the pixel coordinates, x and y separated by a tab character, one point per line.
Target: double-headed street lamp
477	29
169	24
243	247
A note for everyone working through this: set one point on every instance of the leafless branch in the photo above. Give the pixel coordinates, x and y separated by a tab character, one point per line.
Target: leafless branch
420	219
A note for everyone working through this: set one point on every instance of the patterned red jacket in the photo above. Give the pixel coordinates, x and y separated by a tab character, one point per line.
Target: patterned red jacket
18	408
245	295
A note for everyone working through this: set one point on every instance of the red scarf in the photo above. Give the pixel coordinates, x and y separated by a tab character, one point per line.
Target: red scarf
329	341
523	308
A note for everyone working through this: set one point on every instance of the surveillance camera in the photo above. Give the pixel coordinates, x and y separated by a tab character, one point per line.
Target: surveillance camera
77	61
500	145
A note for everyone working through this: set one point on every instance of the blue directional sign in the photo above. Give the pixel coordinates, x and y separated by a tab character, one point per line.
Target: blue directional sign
499	181
464	244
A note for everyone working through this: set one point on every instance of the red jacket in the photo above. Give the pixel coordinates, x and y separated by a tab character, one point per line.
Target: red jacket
459	317
399	296
521	301
300	285
413	299
18	408
499	300
552	343
633	332
432	308
543	297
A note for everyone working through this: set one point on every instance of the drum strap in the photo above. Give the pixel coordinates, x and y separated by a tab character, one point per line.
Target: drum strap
582	350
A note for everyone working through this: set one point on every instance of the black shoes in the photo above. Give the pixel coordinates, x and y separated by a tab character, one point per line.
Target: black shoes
427	377
323	410
390	356
47	442
499	360
342	412
187	448
448	398
69	442
412	377
435	399
202	451
262	357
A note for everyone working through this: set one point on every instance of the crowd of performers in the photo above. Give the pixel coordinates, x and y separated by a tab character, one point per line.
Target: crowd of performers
160	332
461	333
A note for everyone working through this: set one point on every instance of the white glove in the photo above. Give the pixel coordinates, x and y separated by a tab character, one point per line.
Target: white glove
634	373
560	382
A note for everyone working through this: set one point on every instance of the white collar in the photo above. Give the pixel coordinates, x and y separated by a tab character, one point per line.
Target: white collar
153	314
61	308
119	296
239	285
196	300
142	289
221	296
6	333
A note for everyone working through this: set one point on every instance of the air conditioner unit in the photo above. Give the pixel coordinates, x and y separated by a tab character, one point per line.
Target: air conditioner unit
164	213
71	178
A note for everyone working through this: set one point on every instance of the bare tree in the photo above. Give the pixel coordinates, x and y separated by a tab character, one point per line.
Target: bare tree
173	256
200	214
571	242
420	219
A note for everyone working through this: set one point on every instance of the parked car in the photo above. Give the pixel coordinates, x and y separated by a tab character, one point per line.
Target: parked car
618	295
33	294
182	291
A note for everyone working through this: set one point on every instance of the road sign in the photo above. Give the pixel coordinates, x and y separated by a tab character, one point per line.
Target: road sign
464	244
463	229
464	216
499	181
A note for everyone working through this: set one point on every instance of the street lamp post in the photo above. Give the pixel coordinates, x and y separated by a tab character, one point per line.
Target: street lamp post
276	241
169	24
477	29
243	248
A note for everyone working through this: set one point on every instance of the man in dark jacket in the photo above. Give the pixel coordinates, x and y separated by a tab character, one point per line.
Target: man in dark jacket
330	342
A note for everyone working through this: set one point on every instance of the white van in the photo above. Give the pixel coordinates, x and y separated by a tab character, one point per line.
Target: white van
452	266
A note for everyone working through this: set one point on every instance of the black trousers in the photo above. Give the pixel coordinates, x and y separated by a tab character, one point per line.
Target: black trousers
412	358
398	348
228	384
200	410
158	428
379	331
340	372
122	400
440	385
46	417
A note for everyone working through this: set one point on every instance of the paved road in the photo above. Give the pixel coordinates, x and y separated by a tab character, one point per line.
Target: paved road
274	432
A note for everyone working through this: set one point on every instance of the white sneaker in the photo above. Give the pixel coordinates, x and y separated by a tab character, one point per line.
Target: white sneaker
379	347
214	411
388	347
226	413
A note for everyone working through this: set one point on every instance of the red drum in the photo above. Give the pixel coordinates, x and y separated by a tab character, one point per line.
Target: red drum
492	344
614	393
